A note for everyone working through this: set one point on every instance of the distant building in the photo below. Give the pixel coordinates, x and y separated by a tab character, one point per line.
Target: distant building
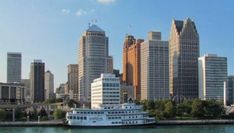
105	90
131	64
154	68
93	60
212	74
116	73
49	85
37	77
72	81
109	64
11	93
183	59
62	92
230	87
14	67
126	93
27	89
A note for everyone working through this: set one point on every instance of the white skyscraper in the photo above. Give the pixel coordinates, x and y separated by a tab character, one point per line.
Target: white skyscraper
49	85
154	68
93	56
105	90
212	74
13	67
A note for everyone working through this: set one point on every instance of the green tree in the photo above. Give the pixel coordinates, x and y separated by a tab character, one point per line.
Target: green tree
71	103
198	108
169	110
59	114
150	105
2	114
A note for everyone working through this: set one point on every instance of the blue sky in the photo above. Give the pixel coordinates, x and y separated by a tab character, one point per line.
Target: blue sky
50	29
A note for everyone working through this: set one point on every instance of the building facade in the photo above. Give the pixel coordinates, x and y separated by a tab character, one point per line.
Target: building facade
27	89
37	81
14	67
183	59
126	92
230	87
131	64
212	74
11	93
93	56
73	82
105	90
49	85
109	64
154	68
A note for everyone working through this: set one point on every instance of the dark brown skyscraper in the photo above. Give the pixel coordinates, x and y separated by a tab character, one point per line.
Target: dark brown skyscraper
37	77
183	60
131	64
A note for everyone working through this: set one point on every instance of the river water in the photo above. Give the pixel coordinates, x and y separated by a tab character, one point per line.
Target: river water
159	129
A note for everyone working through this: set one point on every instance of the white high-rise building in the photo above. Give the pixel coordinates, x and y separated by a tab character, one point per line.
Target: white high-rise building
13	67
212	74
105	90
49	85
93	56
154	68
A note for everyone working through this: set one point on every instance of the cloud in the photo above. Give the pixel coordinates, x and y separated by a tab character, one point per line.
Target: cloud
82	12
65	11
106	1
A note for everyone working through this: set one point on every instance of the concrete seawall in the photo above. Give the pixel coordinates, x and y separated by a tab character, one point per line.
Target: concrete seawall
32	124
159	123
194	122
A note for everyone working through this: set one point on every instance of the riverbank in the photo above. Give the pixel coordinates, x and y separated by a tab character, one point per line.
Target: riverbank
32	124
194	122
159	123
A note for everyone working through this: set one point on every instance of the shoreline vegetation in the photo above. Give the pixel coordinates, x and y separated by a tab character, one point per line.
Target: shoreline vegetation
166	112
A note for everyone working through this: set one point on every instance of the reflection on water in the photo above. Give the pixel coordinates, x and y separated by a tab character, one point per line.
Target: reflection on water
160	129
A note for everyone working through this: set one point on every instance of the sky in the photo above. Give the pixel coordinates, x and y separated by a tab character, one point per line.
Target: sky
50	29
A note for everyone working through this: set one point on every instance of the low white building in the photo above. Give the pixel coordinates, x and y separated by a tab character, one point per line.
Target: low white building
105	90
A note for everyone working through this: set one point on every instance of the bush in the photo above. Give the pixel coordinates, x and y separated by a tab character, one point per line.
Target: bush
59	114
2	114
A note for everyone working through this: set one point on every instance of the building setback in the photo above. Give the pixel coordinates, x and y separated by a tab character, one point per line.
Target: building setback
183	59
131	64
212	74
105	90
93	56
37	81
49	85
73	83
13	67
154	68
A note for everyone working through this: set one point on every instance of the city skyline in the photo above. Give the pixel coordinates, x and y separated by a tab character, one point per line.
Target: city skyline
38	30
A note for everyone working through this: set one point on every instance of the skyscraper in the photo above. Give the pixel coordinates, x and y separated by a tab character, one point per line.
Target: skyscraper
131	64
230	87
49	85
154	68
183	59
37	81
212	74
93	55
13	67
73	83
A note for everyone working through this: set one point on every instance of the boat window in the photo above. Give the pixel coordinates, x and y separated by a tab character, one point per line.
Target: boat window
74	117
85	118
77	117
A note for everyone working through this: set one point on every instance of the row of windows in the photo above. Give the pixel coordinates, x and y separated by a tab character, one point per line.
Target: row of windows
77	118
90	112
110	85
127	122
